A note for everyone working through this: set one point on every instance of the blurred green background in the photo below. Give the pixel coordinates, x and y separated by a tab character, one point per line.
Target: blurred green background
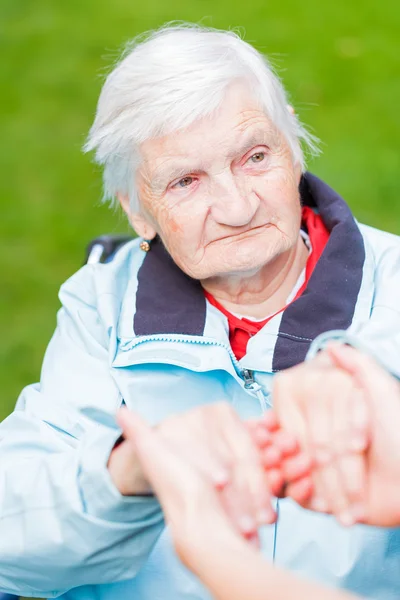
339	61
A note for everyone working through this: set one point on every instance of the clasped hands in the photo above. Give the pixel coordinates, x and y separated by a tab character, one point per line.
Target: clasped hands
331	444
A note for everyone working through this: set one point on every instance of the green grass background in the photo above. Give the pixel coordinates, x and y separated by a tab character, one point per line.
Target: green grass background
339	61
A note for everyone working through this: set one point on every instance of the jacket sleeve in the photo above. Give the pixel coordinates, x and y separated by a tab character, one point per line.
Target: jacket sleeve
379	336
62	521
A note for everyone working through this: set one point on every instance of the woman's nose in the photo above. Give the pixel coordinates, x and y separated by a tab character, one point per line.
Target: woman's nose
234	203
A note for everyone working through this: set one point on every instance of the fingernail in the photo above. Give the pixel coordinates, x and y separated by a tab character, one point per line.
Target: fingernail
265	517
346	518
358	512
247	524
221	478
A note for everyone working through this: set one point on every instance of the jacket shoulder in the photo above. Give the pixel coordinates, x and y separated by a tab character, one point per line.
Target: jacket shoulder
382	245
379	238
93	282
100	298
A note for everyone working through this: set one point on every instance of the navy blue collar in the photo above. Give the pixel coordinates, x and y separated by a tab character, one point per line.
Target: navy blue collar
167	300
170	302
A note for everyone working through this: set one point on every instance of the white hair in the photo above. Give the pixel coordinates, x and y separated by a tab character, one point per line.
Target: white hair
169	78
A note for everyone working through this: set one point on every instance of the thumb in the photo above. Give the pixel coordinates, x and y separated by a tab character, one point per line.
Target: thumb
168	473
380	388
367	372
150	449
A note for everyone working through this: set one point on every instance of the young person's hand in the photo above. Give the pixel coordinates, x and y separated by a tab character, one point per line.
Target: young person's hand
377	420
191	502
325	409
203	534
382	393
217	442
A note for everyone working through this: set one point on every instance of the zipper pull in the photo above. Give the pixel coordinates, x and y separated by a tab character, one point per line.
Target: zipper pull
251	384
248	379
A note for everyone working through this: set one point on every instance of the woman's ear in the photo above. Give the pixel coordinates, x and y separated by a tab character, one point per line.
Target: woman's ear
140	224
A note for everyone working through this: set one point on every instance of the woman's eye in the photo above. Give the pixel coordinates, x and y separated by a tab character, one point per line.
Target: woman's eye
184	182
257	157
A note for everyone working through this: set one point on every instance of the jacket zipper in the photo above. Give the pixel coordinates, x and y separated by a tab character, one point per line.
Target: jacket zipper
245	374
251	384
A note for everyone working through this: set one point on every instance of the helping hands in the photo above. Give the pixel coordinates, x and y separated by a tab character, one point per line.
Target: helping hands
343	409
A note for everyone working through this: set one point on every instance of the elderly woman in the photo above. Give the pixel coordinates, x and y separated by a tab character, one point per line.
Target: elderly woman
243	262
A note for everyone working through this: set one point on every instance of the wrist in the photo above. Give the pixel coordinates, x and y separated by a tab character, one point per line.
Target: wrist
226	552
125	471
199	545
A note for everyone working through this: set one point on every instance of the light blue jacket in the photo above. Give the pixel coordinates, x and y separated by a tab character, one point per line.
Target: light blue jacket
138	330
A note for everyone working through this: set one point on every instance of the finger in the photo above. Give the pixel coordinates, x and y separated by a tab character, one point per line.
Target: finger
215	464
319	434
290	389
248	471
235	500
234	494
349	359
318	415
180	487
360	431
270	420
164	469
352	470
283	445
351	443
207	452
377	384
288	410
355	364
365	369
235	497
301	491
296	467
259	433
351	465
134	428
276	482
285	442
323	359
271	457
342	477
251	480
153	452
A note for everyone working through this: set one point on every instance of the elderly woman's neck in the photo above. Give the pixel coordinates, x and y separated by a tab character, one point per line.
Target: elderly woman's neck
262	293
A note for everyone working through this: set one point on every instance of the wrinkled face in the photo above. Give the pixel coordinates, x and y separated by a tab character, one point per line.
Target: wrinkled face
223	193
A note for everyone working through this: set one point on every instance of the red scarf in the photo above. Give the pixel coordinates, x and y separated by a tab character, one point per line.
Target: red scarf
241	330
